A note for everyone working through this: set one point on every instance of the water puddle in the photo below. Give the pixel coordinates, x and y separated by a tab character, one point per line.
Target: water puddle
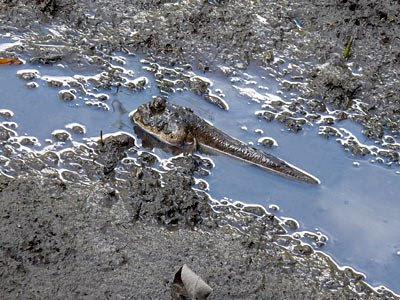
356	205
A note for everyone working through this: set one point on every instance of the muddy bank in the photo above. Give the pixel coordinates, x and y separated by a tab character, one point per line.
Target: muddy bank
70	247
124	235
234	33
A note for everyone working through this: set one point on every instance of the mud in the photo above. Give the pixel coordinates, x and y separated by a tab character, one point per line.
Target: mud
109	227
217	34
124	234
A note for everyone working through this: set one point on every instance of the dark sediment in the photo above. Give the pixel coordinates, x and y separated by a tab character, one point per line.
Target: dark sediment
209	34
113	238
126	232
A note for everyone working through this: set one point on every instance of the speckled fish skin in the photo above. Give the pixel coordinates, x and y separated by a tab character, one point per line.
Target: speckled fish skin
177	125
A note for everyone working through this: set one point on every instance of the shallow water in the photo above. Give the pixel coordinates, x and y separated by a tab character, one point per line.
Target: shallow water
356	207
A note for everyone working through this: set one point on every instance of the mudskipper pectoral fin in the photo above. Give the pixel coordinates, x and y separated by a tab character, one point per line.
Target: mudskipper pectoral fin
190	145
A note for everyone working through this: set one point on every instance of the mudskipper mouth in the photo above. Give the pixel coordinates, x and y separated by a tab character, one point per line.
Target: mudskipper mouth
138	120
136	117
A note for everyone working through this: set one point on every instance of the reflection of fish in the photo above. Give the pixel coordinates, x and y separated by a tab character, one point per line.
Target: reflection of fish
177	125
120	124
117	106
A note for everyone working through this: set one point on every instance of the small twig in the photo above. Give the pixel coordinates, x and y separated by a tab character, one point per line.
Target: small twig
346	52
101	138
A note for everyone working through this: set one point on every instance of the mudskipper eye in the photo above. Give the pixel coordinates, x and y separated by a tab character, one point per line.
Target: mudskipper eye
158	104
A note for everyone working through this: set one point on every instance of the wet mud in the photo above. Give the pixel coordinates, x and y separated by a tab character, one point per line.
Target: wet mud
108	226
124	234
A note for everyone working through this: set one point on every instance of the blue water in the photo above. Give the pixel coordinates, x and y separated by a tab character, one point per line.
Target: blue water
356	207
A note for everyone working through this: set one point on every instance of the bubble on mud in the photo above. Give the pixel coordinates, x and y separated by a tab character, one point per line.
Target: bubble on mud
199	84
76	128
273	207
98	104
6	113
137	84
303	249
166	83
267	142
67	95
214	99
317	239
255	209
119	60
11	125
50	157
203	172
244	128
29	141
102	97
25	141
266	114
28	74
328	131
202	185
389	139
32	85
326	120
356	164
292	224
68	154
259	131
207	163
238	204
55	83
61	135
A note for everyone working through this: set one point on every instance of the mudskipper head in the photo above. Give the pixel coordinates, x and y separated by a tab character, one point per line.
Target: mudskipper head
148	114
162	120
